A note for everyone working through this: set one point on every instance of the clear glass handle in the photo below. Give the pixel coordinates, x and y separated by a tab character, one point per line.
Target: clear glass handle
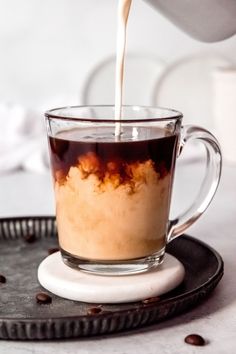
209	184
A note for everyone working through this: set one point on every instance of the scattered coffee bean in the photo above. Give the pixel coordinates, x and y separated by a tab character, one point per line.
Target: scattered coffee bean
30	238
150	300
43	298
2	279
53	250
94	310
194	339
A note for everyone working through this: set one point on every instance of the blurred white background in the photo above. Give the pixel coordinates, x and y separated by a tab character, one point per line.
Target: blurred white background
49	49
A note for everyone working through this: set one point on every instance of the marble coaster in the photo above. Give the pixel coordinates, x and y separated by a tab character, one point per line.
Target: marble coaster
77	285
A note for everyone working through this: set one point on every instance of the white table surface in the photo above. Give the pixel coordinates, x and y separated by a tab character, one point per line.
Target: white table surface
24	193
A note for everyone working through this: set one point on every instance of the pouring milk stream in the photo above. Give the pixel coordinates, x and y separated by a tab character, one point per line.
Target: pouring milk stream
123	15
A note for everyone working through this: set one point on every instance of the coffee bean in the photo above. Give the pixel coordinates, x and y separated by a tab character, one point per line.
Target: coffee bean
195	339
53	250
150	300
2	279
43	298
94	310
30	238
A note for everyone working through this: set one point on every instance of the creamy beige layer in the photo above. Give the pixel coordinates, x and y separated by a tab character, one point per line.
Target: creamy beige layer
104	221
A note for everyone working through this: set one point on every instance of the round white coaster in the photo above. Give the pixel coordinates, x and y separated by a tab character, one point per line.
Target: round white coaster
77	285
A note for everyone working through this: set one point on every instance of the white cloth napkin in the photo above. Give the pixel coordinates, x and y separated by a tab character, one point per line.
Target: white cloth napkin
23	142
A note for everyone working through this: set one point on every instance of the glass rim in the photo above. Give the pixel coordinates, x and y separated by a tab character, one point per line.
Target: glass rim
173	114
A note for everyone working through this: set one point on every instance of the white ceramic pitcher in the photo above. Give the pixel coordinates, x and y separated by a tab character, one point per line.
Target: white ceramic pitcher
205	20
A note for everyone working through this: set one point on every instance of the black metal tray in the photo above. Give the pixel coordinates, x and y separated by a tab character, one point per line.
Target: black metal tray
21	317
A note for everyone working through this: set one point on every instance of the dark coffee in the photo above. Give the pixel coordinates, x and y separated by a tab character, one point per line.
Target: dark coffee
112	157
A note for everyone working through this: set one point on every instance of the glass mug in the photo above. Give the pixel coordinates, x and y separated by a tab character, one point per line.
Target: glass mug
113	193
